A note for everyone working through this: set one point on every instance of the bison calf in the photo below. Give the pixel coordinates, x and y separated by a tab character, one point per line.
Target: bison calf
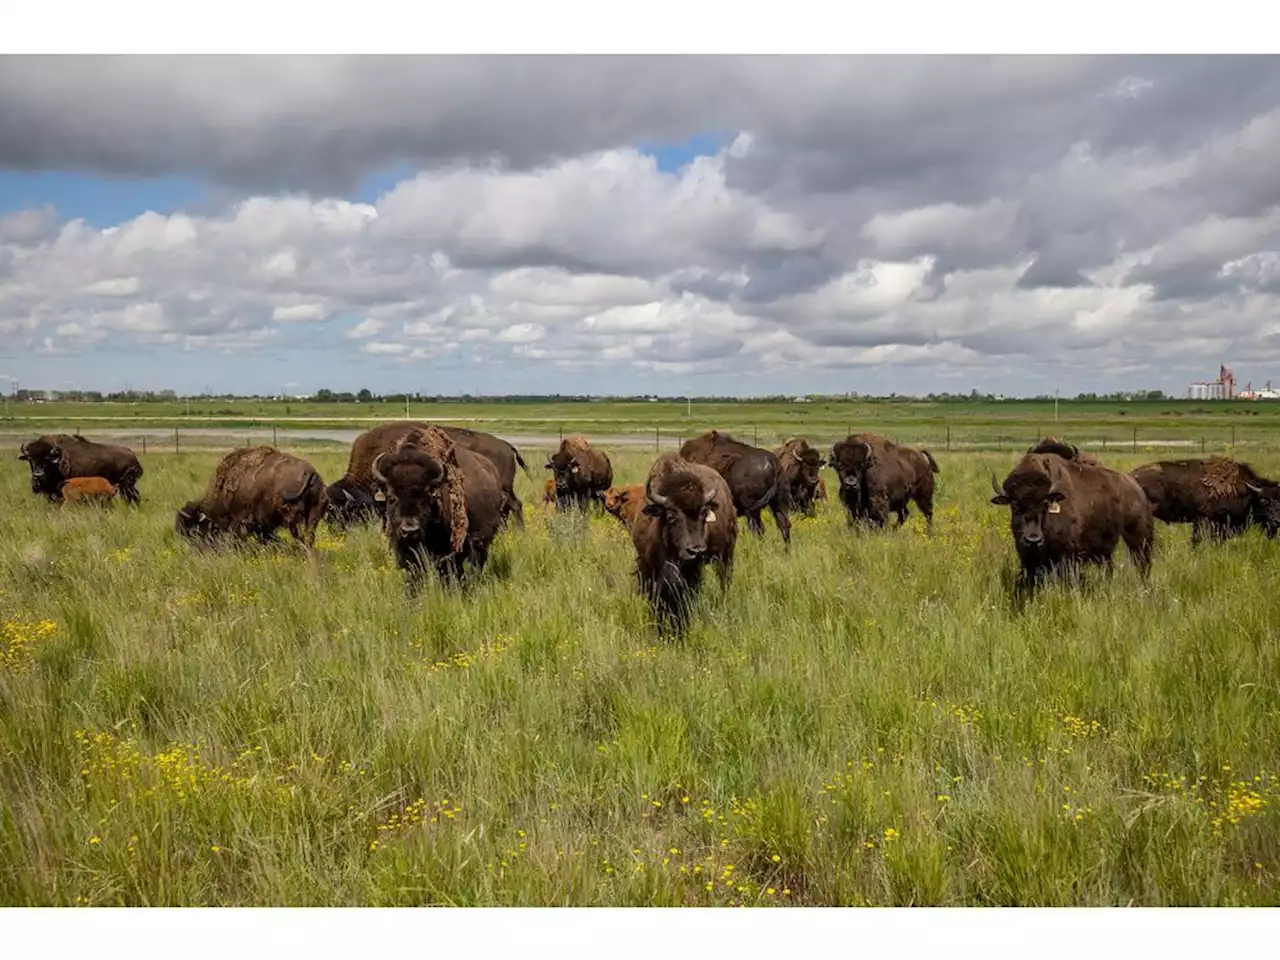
687	521
625	503
1064	514
87	490
253	492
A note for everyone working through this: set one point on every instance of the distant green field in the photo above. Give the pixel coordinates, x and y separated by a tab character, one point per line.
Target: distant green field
863	720
975	426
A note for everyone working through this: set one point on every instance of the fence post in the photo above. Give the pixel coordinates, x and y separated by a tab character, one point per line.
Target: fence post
948	438
175	439
657	438
1202	444
1135	439
1233	436
144	444
274	441
756	435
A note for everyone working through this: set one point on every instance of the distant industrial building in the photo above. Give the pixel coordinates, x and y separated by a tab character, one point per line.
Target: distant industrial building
1224	388
1266	393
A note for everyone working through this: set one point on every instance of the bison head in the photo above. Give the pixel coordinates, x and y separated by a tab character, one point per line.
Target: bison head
49	466
564	469
1264	500
349	504
294	506
851	459
683	512
193	522
1031	496
417	495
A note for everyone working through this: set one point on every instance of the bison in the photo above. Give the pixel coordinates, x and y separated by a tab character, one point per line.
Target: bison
354	498
1068	451
1064	514
87	490
56	458
581	472
800	466
879	477
444	503
549	490
1218	496
687	520
625	503
753	475
253	492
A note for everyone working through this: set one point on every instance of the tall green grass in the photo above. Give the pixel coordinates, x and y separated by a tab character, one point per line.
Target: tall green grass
867	720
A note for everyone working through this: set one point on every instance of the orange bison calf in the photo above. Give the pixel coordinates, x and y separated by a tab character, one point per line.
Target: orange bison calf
87	490
625	503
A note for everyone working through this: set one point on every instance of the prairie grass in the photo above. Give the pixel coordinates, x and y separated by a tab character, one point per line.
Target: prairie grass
867	720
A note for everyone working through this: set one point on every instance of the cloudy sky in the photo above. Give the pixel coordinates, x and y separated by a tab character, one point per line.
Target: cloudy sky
735	225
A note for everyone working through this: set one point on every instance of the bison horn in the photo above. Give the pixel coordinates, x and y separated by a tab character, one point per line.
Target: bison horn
1252	487
377	474
301	490
996	487
652	496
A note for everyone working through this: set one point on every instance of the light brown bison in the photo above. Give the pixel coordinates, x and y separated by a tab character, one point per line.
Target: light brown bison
1218	496
754	476
549	490
88	490
625	503
444	503
581	472
687	521
879	477
354	497
800	465
56	458
1064	514
253	492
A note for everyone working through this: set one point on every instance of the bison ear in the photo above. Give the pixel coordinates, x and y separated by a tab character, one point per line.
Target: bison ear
1000	500
653	510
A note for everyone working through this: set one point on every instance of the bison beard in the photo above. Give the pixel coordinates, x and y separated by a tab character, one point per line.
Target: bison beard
1065	514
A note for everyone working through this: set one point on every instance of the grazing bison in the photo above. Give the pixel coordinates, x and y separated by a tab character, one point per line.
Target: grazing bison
687	520
581	472
56	458
445	503
1067	451
625	503
879	477
354	498
1064	514
800	466
754	476
87	490
253	492
1217	496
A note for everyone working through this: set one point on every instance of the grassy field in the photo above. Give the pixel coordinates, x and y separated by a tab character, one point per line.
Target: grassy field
865	721
1005	425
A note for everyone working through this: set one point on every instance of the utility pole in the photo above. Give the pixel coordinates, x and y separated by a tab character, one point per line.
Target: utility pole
1055	406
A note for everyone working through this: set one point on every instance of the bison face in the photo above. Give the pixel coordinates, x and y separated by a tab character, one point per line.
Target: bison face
564	470
1265	504
192	522
415	492
615	499
1028	506
683	516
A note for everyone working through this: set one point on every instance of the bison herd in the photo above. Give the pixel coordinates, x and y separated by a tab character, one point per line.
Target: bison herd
442	494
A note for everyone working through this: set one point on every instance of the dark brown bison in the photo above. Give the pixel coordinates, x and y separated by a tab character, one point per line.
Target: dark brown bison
88	490
800	466
355	499
56	458
253	492
581	472
879	477
444	503
1068	451
687	521
625	503
754	476
1218	496
1065	514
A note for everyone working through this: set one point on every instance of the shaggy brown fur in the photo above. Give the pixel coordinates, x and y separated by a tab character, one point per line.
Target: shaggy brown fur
255	490
1218	496
1221	476
879	477
625	503
88	490
800	465
581	472
438	444
56	458
1064	513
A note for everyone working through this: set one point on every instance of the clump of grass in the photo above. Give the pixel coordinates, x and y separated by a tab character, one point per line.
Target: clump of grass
866	720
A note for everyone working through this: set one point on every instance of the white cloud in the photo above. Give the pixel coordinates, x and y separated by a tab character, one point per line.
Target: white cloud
299	313
367	327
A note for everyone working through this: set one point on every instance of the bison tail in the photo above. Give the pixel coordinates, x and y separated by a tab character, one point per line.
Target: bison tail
520	460
933	464
766	499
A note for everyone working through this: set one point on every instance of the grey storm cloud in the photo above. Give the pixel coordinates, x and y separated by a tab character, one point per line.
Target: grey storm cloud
863	212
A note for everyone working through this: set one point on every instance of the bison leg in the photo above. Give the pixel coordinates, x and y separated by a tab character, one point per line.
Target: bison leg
783	521
925	503
755	524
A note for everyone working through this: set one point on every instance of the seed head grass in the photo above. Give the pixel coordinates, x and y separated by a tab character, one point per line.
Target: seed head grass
867	720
